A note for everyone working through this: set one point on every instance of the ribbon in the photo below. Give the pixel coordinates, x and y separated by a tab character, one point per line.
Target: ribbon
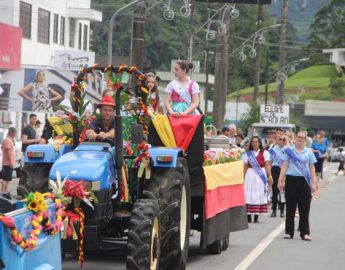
300	165
255	165
276	156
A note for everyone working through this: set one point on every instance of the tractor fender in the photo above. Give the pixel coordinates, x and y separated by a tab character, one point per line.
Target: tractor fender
164	157
44	153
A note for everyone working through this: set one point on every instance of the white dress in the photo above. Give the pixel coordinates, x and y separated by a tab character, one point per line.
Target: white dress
254	188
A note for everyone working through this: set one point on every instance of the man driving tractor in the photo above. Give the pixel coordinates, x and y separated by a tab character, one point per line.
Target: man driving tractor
103	128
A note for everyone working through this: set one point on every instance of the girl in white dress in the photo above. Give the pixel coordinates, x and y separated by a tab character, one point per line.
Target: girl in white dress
257	177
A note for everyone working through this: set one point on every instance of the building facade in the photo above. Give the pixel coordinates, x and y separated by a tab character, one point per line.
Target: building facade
54	37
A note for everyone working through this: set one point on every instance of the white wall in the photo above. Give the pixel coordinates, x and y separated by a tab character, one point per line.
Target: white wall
39	54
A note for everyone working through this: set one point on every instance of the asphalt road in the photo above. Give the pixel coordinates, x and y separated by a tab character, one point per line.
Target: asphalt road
262	246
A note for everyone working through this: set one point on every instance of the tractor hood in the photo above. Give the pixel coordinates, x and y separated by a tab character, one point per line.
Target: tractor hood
86	165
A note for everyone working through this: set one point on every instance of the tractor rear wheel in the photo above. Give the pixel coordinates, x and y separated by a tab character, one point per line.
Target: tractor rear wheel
144	236
226	241
215	248
33	177
172	189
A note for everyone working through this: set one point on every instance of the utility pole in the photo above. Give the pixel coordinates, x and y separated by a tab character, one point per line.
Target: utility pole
191	32
137	40
111	28
257	69
221	75
137	44
282	51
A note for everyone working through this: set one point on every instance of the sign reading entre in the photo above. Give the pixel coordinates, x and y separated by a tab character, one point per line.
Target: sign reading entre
274	113
264	2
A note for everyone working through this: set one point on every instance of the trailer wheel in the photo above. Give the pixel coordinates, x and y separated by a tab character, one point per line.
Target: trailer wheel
144	236
33	177
226	241
172	189
215	248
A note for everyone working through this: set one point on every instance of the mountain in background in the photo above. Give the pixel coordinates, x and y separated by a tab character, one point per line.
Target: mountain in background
301	14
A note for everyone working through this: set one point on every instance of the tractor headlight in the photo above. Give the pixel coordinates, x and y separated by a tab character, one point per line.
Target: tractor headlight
32	154
93	185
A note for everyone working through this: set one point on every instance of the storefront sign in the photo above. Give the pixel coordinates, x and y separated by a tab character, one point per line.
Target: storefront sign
10	47
274	113
73	60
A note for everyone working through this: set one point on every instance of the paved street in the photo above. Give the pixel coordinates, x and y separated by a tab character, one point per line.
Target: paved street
262	246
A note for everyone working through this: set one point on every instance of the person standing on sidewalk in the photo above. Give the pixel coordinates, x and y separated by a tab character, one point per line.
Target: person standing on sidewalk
29	134
277	156
8	158
298	179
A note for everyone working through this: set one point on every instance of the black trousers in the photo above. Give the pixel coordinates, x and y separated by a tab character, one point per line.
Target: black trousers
297	193
275	175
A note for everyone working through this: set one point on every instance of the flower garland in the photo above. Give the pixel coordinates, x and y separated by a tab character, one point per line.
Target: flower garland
40	220
218	156
78	192
143	161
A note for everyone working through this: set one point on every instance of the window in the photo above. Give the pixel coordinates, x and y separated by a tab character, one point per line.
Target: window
25	19
62	30
85	38
56	28
79	36
71	32
43	26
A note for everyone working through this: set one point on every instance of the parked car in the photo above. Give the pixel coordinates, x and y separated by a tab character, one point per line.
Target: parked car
18	149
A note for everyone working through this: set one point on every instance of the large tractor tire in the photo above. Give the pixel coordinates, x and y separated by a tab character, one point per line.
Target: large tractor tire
215	248
144	236
172	189
226	241
33	177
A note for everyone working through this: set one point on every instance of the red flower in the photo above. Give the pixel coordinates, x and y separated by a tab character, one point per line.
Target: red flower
75	189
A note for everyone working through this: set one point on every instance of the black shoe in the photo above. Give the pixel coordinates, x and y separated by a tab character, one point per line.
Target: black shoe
282	214
274	214
249	217
256	218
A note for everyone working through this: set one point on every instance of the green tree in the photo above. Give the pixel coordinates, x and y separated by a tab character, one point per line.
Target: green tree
250	117
327	30
337	86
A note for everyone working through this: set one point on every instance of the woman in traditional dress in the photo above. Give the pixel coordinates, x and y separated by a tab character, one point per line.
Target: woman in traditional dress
257	176
182	94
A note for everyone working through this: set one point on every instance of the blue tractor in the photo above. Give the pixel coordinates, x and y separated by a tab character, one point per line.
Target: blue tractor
153	226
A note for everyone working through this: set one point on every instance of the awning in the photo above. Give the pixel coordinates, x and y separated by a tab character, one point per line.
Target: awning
85	14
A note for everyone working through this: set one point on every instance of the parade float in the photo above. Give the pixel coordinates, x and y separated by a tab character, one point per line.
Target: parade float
149	190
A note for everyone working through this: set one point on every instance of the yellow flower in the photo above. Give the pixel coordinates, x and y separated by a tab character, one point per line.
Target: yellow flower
33	206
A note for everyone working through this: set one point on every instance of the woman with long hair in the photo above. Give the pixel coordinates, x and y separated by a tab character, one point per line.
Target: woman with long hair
182	94
257	177
42	95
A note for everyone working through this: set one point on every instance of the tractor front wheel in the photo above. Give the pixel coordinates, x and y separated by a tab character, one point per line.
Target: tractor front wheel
144	236
172	189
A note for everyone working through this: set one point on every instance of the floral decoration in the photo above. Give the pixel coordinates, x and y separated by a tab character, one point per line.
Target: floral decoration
218	156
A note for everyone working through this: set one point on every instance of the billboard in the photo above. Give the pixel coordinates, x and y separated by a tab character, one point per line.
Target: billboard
10	47
73	60
264	2
40	90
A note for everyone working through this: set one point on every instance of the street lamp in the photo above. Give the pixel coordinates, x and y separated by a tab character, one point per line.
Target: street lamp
249	43
282	74
111	27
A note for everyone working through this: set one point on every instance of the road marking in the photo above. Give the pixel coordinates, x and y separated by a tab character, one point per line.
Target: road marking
255	253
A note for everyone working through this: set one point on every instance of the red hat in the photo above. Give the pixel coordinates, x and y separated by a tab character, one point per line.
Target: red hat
107	101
